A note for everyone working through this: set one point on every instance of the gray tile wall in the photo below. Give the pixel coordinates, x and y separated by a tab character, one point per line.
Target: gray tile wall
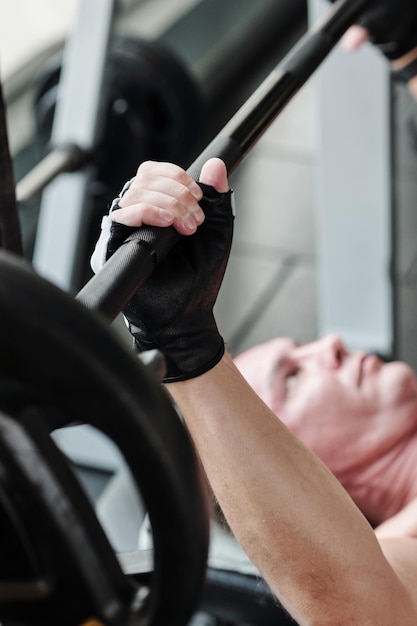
269	287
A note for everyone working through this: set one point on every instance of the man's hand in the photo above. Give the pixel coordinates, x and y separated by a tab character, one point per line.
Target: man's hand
173	310
391	25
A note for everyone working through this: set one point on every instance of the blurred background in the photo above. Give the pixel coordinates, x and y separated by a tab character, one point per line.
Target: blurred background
326	201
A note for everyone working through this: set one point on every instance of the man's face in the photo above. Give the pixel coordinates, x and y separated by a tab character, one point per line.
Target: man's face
354	411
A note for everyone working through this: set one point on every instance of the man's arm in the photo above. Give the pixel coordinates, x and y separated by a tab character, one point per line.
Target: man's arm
356	36
298	525
403	62
391	25
293	518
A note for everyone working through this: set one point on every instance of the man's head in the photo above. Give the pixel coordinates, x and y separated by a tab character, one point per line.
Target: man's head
355	412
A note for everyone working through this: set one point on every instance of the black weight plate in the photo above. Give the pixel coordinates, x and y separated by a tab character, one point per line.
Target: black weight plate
70	357
56	562
152	109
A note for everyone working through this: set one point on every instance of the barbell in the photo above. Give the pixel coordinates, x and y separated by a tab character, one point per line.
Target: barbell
62	365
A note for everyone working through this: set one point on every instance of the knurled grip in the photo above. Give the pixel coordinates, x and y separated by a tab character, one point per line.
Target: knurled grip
113	286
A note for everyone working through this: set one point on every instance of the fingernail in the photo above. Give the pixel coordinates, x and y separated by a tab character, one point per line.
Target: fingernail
166	216
196	190
198	216
189	223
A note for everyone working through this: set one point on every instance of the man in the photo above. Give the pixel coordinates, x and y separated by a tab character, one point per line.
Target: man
291	515
298	525
358	414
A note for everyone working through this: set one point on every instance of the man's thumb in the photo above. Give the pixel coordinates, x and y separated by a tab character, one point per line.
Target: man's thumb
214	173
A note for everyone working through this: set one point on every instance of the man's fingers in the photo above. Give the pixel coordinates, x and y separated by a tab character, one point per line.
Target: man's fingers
150	173
214	173
354	38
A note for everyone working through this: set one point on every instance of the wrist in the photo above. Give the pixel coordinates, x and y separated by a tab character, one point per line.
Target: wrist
405	68
196	361
187	354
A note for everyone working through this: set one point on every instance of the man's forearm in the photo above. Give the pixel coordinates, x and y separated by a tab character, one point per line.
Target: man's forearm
293	518
403	62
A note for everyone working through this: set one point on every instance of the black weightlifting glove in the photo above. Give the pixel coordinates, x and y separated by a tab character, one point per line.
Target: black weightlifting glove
392	26
173	310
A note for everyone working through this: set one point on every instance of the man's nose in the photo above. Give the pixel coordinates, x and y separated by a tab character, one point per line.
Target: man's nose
327	353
